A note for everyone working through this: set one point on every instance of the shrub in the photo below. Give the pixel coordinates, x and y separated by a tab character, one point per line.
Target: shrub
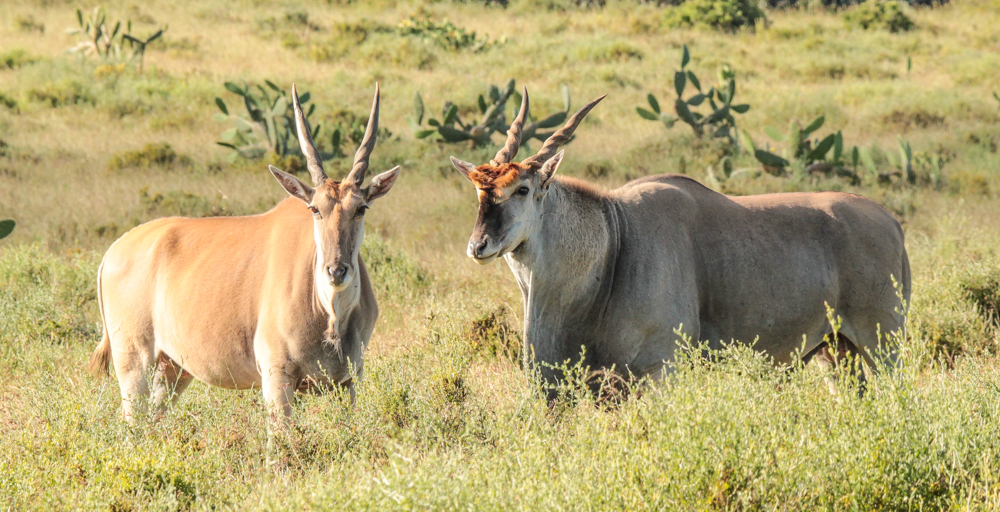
834	4
8	102
61	93
44	297
393	273
904	121
444	33
177	203
983	290
151	155
345	36
725	15
29	24
559	5
969	182
16	58
879	15
288	163
618	51
404	54
392	396
495	334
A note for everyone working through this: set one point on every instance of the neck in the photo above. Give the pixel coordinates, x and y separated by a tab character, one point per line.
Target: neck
335	305
298	257
565	269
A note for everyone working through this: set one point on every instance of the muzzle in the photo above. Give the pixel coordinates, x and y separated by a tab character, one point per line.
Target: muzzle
340	275
482	249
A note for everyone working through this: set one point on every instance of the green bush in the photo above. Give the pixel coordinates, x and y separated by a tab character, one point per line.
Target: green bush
444	33
44	298
15	58
393	273
28	24
178	203
617	51
151	155
8	102
879	15
344	37
725	15
66	91
292	29
983	289
496	335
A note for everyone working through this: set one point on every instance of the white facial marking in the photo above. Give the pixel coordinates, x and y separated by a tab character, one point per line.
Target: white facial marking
324	288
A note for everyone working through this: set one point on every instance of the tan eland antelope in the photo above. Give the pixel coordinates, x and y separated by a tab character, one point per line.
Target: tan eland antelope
616	272
279	301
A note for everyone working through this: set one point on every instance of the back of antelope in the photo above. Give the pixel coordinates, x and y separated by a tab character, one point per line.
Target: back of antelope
279	301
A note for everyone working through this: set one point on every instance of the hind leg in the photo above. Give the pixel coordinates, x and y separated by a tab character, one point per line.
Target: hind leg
130	368
835	357
169	381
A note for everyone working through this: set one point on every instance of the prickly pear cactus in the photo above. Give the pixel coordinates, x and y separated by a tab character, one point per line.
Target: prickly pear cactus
717	121
95	36
492	107
805	155
6	227
269	124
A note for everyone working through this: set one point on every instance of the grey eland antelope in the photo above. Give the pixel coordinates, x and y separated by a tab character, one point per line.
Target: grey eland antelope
616	272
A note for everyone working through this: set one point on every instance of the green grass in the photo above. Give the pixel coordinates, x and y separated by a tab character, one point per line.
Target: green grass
446	417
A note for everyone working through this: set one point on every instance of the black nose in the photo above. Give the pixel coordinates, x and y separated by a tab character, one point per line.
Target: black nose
338	272
480	247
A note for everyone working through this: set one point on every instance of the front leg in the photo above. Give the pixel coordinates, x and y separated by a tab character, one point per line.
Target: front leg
279	392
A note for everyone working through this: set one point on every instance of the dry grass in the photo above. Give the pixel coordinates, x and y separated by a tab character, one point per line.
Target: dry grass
465	415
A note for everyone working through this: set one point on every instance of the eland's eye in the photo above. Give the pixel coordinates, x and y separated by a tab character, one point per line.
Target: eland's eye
523	191
314	210
361	211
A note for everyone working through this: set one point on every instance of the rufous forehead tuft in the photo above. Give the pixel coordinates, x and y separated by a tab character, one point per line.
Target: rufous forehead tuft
495	178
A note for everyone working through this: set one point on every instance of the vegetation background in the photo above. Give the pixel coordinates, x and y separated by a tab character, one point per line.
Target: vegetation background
446	418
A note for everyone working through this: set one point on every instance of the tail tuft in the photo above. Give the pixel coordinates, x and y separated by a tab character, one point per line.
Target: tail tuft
100	360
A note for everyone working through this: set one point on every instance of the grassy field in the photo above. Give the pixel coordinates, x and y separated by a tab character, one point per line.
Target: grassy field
446	418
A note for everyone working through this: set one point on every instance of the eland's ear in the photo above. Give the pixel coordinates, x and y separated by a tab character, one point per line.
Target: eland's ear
549	168
292	185
381	184
463	167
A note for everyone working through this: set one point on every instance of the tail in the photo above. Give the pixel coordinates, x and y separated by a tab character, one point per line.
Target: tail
100	360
